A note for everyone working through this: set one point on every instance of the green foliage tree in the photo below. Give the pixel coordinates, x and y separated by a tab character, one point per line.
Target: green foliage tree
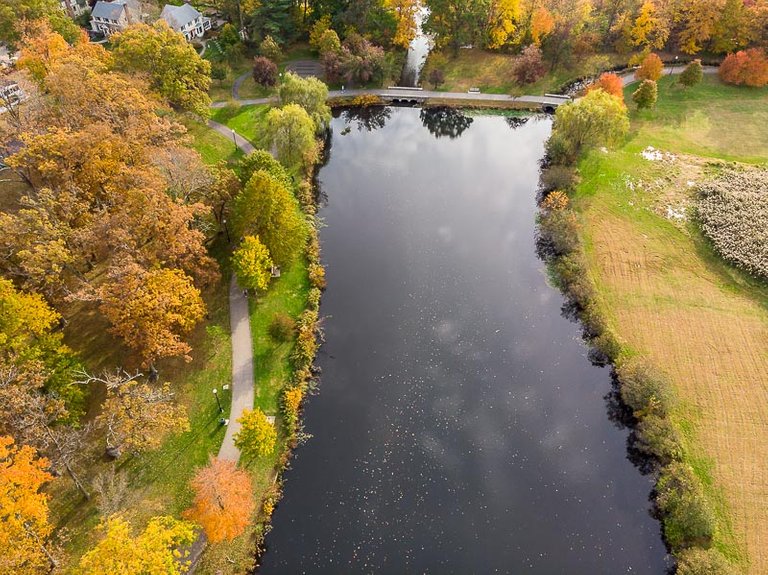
598	119
693	74
252	264
318	30
646	95
269	48
219	71
275	18
291	131
175	69
257	436
263	160
154	551
733	29
267	209
688	517
309	93
455	23
703	562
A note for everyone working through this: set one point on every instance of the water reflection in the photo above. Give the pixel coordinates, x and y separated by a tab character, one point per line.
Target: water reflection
445	122
367	118
459	426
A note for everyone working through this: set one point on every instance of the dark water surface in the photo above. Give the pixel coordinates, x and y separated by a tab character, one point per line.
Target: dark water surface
460	427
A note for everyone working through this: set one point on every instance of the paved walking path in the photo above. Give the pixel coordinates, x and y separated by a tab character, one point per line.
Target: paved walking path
229	133
242	386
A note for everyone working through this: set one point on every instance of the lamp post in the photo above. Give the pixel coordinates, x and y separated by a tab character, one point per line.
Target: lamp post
218	401
226	229
234	139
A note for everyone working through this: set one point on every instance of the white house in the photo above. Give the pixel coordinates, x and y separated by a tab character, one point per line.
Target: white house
186	19
74	7
10	94
110	17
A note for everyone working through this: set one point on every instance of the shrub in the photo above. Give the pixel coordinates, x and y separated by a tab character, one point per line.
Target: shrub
329	43
316	275
559	230
658	438
291	403
219	71
358	61
306	342
610	83
745	68
436	77
320	27
530	65
597	119
555	201
687	516
264	71
733	213
282	327
560	151
650	69
645	96
269	48
693	74
558	177
703	562
643	388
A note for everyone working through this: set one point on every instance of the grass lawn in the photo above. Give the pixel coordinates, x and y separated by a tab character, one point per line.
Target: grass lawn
212	146
158	480
245	120
669	297
493	73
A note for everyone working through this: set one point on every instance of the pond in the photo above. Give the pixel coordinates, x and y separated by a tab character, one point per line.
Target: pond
460	426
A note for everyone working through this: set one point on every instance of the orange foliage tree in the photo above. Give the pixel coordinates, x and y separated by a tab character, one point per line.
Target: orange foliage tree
223	500
650	69
609	83
24	523
745	68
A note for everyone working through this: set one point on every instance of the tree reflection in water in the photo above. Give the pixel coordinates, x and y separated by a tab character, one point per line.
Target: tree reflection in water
445	121
368	118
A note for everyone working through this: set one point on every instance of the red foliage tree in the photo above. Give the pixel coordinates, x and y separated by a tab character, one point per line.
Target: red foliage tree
530	65
610	83
745	68
264	71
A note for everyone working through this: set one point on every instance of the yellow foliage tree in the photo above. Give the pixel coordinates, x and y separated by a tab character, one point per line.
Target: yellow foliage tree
257	436
502	22
22	316
252	264
154	551
651	30
24	523
405	16
152	310
223	500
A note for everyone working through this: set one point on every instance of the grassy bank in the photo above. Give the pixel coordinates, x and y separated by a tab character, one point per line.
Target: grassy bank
669	298
245	120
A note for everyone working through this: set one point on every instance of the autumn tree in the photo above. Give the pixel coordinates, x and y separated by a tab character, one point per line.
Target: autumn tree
154	551
405	16
291	130
734	27
257	436
650	69
651	28
264	71
252	264
223	501
309	93
174	67
152	310
263	160
358	61
502	24
542	24
24	525
318	30
745	68
645	96
693	74
698	19
610	83
597	119
267	209
15	15
529	66
136	416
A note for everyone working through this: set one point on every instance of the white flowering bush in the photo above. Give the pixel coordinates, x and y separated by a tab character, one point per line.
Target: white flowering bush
733	213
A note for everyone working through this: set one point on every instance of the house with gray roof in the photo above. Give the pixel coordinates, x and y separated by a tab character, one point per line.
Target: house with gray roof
115	16
186	19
